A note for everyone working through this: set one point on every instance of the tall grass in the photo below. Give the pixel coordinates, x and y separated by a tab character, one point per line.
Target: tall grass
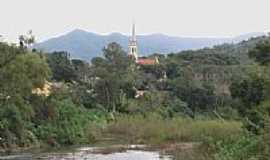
153	129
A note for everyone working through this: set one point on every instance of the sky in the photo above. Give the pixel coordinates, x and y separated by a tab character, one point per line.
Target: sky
185	18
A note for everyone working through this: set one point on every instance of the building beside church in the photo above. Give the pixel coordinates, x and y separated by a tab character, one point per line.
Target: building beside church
133	51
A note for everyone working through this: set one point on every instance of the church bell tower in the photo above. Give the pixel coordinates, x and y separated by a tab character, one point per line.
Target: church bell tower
132	46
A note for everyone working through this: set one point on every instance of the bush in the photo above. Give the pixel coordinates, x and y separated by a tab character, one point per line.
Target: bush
15	127
70	125
247	147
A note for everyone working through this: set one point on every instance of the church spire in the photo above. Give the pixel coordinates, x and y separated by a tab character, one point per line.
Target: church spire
133	32
132	46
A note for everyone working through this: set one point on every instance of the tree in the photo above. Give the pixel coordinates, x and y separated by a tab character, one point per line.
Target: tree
27	40
251	92
82	70
8	54
261	53
27	71
113	75
200	97
62	67
19	74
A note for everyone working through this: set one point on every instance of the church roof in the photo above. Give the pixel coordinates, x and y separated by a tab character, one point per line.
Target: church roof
147	61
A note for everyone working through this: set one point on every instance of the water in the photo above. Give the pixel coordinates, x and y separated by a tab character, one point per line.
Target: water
94	153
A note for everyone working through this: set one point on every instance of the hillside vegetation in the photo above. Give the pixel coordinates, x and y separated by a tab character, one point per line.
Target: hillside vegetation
217	97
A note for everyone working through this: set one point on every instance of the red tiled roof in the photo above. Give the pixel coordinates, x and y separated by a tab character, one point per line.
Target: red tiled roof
147	61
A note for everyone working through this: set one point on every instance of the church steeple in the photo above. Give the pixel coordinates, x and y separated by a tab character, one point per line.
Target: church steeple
133	32
132	46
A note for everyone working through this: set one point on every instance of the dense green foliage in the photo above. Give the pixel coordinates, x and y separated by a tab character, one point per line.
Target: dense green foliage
211	96
261	53
253	95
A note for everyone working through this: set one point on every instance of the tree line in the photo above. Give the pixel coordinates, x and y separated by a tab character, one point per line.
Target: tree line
193	84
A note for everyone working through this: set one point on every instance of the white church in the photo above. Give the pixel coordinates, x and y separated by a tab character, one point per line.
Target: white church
133	51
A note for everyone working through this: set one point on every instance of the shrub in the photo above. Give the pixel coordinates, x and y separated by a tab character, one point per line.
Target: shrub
70	125
247	147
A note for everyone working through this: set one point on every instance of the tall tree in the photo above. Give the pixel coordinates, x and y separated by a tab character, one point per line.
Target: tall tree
62	67
113	75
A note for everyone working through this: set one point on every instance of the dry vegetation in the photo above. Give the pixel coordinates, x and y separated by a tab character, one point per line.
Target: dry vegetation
155	130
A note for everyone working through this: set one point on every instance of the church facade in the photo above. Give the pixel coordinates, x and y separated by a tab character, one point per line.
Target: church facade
133	51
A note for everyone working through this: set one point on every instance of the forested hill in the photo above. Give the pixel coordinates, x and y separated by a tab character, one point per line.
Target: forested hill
236	50
86	45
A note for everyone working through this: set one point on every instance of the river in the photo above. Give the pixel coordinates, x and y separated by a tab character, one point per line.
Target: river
114	152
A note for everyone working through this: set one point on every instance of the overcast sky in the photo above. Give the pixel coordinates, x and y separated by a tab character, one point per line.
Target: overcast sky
196	18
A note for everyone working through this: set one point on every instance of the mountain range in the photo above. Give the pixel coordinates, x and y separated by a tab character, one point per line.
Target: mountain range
86	45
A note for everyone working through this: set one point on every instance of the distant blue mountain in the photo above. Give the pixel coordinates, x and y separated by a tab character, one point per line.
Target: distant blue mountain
86	45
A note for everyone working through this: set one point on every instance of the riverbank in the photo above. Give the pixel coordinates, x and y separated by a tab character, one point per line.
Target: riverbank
155	131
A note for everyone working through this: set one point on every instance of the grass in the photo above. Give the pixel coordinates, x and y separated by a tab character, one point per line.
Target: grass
155	130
